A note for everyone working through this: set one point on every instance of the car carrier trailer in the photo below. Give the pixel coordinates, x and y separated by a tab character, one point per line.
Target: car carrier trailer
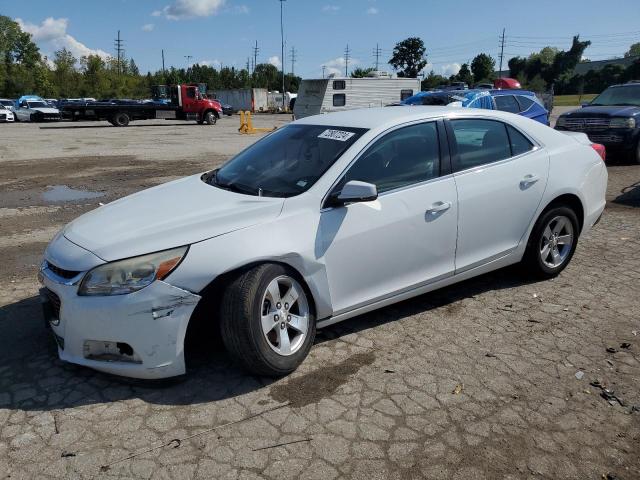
186	103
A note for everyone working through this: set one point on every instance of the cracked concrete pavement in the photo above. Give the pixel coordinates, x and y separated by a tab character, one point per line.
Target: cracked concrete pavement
474	381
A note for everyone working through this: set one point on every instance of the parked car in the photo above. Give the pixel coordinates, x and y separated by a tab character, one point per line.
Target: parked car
6	115
227	109
326	218
458	86
8	104
484	86
521	102
612	118
31	108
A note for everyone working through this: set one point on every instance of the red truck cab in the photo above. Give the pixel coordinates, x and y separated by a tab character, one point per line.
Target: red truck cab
193	103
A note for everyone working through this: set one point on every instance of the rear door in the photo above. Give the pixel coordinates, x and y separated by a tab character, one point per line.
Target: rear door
500	176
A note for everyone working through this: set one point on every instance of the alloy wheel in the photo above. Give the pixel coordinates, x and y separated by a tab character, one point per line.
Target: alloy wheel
285	315
556	242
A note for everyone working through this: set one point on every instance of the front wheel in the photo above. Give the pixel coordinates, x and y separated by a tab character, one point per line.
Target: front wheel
267	321
210	118
552	242
121	119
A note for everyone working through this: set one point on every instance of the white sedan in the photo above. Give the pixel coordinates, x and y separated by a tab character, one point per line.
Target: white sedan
327	218
6	115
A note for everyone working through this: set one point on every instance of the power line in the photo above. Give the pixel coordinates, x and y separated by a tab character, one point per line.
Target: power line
347	54
376	53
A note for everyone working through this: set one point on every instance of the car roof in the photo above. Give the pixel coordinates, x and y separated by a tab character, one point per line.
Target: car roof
384	117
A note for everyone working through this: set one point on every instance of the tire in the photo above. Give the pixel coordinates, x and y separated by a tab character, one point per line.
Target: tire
210	118
249	305
552	242
121	119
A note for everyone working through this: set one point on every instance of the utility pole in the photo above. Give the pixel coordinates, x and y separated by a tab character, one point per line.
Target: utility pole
119	52
501	51
293	60
324	67
163	71
376	53
282	48
255	56
248	64
347	54
188	57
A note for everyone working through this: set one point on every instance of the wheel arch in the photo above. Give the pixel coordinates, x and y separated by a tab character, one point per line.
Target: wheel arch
571	200
212	110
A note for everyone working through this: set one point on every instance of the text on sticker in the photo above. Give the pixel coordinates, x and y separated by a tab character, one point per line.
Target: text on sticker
339	135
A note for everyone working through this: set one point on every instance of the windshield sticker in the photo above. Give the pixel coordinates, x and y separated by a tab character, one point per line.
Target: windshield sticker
339	135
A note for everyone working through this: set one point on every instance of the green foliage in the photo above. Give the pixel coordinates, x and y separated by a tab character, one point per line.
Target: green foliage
433	80
361	72
409	57
634	50
464	75
483	67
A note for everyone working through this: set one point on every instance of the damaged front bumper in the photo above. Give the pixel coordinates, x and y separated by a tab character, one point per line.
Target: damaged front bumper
138	335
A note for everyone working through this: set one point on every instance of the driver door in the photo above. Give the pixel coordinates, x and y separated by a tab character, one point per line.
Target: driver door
403	239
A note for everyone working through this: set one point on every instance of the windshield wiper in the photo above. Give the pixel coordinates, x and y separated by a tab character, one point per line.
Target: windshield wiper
231	186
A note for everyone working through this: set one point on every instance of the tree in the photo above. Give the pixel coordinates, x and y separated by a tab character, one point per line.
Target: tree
483	67
634	50
464	74
266	76
361	72
409	57
433	80
65	76
546	56
517	66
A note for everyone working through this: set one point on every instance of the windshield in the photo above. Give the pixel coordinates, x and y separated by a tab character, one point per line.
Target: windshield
287	162
627	95
7	103
37	105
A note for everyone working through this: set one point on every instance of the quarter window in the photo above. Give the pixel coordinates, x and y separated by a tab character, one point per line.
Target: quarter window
525	102
479	142
519	143
339	100
507	103
403	157
339	84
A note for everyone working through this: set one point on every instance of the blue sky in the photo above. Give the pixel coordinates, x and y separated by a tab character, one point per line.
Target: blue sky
224	31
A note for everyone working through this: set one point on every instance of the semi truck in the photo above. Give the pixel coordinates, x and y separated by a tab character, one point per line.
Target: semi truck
185	102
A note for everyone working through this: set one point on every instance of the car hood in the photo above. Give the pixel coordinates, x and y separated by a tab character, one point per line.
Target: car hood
603	112
177	213
45	110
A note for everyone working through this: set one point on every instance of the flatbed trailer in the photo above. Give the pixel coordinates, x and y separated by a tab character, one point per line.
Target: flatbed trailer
187	103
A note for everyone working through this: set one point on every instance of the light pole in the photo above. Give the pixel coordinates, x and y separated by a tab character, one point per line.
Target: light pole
188	57
282	50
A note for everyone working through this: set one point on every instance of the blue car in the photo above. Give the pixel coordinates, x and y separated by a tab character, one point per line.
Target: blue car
521	102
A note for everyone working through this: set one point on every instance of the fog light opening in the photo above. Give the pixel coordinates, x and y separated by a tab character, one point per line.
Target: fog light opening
110	352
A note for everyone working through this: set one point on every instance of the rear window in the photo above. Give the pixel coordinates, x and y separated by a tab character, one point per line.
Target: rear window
525	102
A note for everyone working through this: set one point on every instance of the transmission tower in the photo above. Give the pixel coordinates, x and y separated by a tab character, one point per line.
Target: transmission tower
376	53
118	42
347	55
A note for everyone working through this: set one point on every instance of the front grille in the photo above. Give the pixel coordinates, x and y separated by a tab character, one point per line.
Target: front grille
61	272
606	138
55	302
3	116
582	124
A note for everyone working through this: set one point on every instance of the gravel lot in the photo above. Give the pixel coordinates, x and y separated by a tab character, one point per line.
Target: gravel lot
479	380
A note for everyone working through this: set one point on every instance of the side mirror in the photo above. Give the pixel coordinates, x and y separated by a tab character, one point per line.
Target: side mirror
585	104
354	191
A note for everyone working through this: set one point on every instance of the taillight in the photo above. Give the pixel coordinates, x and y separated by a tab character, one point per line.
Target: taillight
599	148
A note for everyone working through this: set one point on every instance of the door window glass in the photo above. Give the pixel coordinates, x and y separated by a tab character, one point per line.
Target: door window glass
479	142
403	157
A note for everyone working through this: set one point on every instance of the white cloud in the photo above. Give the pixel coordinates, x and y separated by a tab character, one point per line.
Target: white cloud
330	8
148	27
210	63
336	66
372	11
275	61
242	9
182	9
52	35
446	69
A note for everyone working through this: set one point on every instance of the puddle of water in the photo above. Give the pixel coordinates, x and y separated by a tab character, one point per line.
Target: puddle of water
62	193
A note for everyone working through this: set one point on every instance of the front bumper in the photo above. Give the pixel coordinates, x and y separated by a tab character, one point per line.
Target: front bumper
97	332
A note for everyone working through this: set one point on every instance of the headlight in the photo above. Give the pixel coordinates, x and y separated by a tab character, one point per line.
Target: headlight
132	274
622	123
561	122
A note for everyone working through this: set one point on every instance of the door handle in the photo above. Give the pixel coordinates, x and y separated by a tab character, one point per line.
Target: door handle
529	180
439	207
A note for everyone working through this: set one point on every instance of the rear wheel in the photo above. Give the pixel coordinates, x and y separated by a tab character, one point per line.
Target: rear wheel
552	242
121	119
267	321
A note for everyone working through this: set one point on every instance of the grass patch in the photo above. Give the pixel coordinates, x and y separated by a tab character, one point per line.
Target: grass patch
572	100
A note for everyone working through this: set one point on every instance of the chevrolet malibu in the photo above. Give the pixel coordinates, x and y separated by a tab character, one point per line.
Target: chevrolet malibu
327	218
